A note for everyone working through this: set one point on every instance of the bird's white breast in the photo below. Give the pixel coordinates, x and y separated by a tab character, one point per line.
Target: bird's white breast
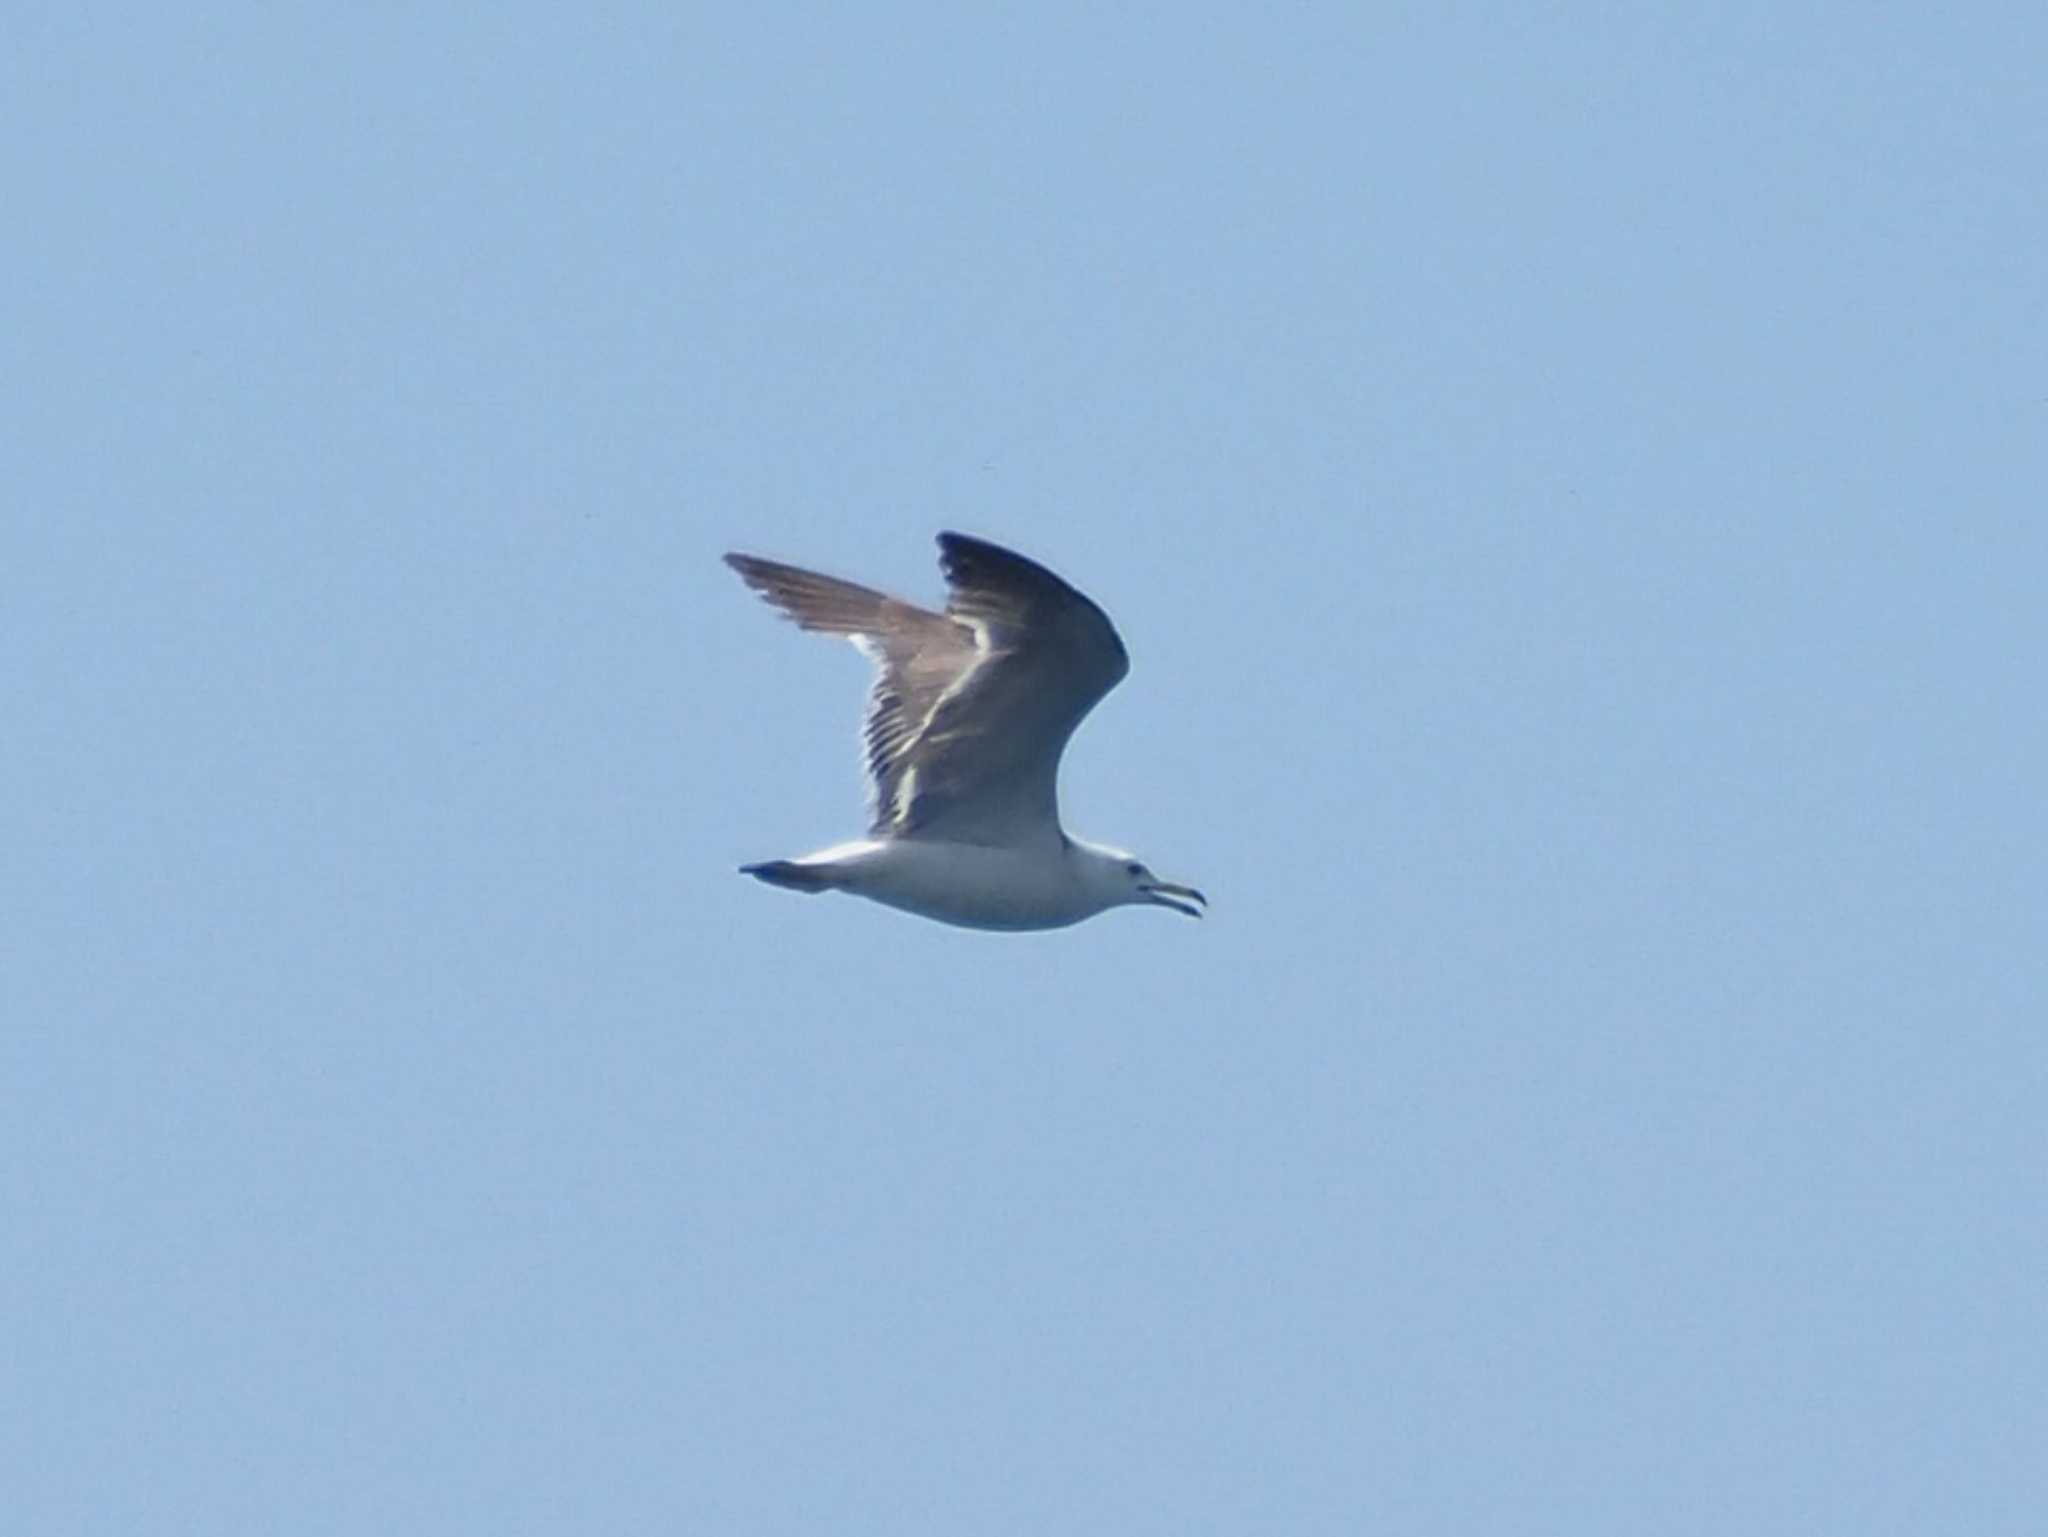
967	884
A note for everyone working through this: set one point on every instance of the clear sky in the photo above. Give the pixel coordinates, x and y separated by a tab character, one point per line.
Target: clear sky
1571	480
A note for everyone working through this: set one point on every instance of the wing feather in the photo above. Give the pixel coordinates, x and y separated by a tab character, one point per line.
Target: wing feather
917	654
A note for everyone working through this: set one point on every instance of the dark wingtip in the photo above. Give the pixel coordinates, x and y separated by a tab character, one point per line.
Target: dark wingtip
952	542
971	559
951	539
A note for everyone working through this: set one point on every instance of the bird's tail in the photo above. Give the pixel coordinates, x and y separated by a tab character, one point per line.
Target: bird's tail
792	876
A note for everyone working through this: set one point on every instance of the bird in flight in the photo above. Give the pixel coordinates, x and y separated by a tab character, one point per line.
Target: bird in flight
968	716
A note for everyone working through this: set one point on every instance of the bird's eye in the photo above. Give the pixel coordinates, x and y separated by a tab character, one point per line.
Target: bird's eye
1134	868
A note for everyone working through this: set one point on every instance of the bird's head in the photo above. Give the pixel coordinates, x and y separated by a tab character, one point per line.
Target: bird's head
1121	879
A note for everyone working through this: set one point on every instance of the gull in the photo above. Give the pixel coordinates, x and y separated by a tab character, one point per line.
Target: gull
970	711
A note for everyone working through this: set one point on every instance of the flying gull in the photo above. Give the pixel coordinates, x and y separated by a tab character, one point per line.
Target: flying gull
969	714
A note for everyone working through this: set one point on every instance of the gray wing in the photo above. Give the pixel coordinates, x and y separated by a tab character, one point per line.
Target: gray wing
972	708
985	768
918	655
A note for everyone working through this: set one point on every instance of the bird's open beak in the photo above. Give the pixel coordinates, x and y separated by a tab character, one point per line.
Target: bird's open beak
1181	899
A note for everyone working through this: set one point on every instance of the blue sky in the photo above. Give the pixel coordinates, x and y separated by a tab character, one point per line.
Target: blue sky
1570	479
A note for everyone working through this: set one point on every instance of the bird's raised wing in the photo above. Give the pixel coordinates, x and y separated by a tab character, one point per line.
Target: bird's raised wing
972	708
918	655
987	762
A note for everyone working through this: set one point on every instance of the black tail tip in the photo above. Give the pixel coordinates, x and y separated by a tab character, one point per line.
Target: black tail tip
790	875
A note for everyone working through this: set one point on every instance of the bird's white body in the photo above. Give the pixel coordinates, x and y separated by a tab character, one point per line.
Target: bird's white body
1044	886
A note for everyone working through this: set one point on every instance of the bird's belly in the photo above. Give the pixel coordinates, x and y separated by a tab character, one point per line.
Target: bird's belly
971	885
